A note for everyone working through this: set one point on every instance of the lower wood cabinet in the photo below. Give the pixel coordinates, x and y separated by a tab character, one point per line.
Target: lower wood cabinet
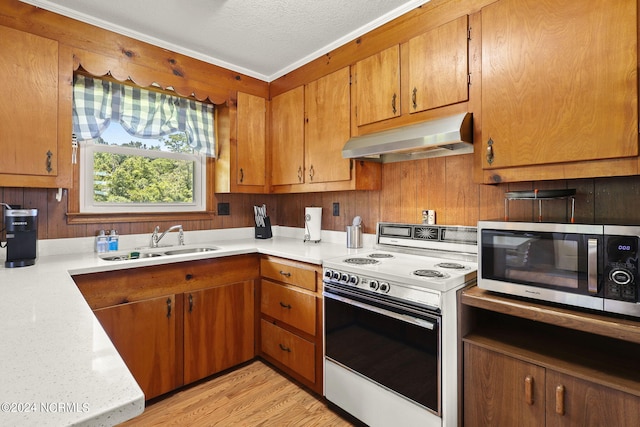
177	323
504	391
291	319
218	329
527	363
144	332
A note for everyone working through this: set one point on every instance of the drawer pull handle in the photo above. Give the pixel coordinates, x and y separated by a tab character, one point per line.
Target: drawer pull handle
528	389
190	303
560	400
168	307
285	273
284	348
283	305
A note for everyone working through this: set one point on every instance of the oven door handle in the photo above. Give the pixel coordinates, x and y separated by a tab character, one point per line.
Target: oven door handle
403	317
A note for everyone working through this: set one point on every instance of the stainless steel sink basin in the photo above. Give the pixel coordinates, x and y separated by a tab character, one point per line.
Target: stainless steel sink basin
190	250
138	254
132	255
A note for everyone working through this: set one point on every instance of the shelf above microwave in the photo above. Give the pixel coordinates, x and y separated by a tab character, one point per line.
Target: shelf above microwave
540	195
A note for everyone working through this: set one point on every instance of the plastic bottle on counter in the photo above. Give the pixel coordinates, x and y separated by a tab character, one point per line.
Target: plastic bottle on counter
113	240
102	242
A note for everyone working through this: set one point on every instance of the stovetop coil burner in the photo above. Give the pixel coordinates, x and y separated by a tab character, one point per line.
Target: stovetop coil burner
451	265
361	261
381	255
432	274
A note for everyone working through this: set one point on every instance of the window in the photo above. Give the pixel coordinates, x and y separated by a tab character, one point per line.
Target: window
121	173
141	150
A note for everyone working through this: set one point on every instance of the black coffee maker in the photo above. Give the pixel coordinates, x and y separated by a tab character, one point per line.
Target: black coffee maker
21	227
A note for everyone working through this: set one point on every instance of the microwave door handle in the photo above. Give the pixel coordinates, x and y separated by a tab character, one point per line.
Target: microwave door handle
592	266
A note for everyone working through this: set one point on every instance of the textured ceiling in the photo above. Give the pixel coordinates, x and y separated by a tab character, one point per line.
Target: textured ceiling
261	38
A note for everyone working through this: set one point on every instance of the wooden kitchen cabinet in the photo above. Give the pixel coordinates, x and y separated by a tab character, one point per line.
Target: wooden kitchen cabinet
528	363
559	86
176	323
438	66
144	332
218	329
36	139
241	162
436	75
287	137
291	319
310	126
505	391
377	85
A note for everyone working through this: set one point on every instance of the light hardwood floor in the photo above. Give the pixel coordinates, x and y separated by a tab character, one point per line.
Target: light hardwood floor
252	395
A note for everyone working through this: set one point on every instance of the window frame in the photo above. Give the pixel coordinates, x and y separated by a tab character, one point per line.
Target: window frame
89	148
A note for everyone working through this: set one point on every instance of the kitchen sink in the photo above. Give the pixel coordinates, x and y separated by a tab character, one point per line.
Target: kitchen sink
152	253
190	250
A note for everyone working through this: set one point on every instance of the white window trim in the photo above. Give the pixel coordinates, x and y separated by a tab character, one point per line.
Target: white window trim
87	205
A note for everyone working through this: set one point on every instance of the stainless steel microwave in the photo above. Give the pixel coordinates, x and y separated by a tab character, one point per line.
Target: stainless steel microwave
584	265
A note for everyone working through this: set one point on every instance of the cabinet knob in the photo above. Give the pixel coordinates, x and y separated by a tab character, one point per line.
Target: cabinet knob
490	151
188	276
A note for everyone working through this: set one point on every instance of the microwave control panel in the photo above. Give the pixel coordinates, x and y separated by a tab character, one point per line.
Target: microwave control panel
621	268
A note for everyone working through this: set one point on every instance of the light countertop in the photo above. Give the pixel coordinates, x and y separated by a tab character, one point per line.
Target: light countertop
58	367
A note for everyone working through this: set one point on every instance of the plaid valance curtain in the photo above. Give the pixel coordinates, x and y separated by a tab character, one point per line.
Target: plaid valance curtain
142	113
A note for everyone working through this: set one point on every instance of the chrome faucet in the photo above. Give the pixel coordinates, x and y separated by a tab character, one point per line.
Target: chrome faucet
155	239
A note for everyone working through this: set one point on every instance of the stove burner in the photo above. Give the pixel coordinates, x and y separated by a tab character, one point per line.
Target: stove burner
361	261
451	265
432	274
381	255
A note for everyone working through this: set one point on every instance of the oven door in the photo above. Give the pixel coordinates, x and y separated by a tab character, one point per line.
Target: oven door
389	344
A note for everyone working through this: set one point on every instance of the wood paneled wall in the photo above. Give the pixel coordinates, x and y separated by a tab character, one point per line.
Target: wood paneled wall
444	184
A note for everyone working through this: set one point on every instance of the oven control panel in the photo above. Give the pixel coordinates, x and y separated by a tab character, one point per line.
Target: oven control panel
398	290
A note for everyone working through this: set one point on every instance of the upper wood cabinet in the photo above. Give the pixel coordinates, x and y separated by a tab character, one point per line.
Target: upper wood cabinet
327	128
378	86
241	162
287	137
433	73
310	125
32	130
252	132
559	85
439	66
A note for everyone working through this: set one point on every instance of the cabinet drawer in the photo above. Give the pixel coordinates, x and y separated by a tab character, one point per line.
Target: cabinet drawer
289	272
289	305
289	349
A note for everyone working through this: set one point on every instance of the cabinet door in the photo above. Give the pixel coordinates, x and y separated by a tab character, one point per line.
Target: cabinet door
327	102
438	66
144	333
251	142
575	402
559	81
287	137
218	329
28	104
378	86
501	391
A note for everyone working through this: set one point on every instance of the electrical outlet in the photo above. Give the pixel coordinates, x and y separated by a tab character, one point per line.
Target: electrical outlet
336	209
223	208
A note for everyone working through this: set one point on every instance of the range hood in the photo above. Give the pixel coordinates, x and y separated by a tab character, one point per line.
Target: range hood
434	138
